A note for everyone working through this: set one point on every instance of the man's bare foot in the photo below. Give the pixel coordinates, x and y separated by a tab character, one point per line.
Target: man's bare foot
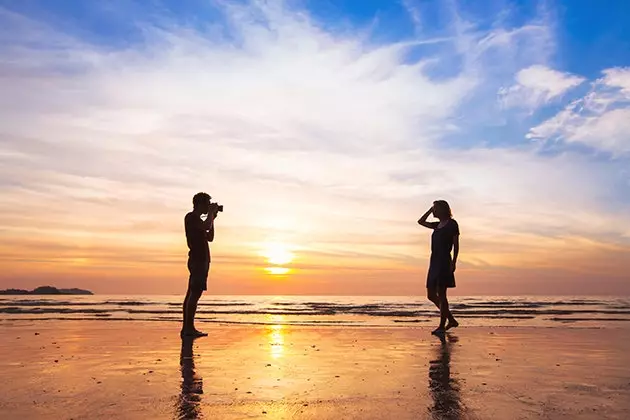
438	331
453	324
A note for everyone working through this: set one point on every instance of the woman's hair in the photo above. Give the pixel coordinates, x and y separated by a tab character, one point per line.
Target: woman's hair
442	208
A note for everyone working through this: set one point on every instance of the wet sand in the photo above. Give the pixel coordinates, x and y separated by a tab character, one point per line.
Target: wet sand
142	370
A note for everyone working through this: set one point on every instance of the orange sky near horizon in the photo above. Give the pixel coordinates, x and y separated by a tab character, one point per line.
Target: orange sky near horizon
317	261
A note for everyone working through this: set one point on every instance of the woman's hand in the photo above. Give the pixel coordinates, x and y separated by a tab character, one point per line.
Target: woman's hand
423	220
453	266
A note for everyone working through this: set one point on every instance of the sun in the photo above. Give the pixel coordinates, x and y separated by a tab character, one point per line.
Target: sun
277	254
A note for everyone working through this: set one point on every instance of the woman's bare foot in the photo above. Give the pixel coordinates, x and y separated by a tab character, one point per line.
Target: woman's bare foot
453	324
438	331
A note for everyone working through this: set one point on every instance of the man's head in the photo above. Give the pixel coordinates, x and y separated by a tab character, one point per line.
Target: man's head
201	202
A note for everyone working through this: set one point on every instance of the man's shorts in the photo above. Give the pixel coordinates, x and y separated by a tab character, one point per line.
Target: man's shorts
198	279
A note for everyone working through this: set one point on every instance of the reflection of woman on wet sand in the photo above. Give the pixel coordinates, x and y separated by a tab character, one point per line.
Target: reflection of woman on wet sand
444	389
441	274
188	405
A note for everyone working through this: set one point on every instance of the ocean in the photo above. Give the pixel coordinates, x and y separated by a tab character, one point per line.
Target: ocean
356	311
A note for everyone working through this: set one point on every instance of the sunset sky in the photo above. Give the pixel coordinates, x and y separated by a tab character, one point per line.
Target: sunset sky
326	128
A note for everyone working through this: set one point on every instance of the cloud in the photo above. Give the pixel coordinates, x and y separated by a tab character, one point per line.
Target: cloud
537	86
618	77
323	139
415	14
600	119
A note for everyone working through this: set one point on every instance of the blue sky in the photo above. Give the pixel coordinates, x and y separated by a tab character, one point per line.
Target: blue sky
590	35
325	117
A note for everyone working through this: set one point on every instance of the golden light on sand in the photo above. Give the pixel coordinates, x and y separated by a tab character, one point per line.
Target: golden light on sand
276	336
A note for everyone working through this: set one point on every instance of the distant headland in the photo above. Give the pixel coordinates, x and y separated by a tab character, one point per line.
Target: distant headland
46	290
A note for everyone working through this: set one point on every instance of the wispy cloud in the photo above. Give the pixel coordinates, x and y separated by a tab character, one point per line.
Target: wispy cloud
537	85
600	119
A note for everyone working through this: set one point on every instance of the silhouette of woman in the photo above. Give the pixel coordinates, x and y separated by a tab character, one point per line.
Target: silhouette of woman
441	273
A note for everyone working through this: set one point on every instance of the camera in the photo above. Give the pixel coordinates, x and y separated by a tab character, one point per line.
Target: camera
216	207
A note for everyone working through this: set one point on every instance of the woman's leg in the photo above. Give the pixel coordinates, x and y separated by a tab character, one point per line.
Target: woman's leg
452	322
432	295
445	313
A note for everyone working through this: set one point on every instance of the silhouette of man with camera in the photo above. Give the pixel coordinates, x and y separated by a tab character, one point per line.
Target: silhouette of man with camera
198	233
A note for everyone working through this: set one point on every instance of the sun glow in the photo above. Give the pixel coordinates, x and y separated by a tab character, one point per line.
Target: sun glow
277	271
277	253
278	256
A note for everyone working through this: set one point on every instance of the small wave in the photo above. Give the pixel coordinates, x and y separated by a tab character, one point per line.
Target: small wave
517	304
219	304
178	304
496	316
411	321
545	312
219	312
322	311
560	319
52	302
128	302
15	310
47	303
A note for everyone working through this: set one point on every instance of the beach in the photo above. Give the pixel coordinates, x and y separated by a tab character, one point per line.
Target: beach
142	370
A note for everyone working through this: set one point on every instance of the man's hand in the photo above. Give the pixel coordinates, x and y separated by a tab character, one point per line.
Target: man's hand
207	224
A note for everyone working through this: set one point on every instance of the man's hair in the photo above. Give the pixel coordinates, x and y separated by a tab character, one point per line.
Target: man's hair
200	199
443	207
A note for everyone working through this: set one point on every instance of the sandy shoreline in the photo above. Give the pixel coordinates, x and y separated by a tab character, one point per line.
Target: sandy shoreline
132	370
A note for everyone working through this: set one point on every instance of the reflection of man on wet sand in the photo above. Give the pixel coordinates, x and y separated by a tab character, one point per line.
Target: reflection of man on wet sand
444	389
188	405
